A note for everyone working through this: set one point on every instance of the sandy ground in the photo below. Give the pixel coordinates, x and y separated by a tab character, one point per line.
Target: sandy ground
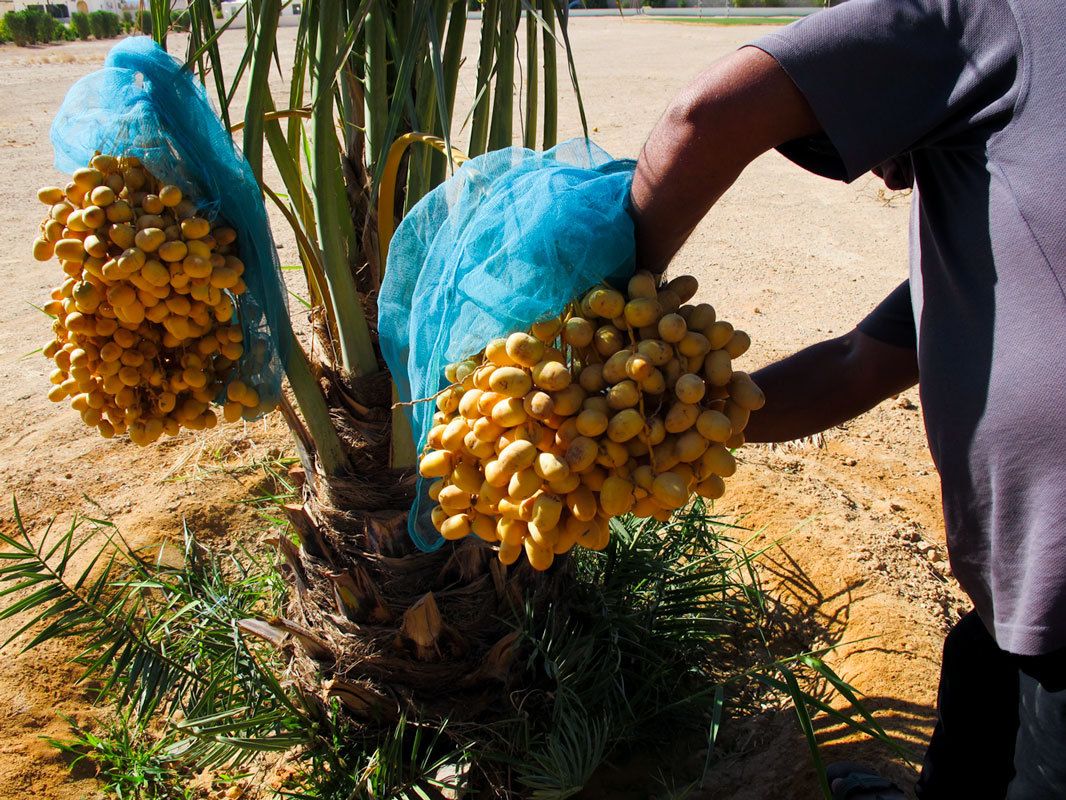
789	257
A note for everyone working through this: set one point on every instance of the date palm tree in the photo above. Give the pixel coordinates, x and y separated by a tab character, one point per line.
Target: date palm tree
363	133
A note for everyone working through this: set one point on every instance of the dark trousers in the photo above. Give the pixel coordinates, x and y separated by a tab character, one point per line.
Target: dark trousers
1001	722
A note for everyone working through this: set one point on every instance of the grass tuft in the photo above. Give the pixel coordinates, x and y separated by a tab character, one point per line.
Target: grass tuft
127	761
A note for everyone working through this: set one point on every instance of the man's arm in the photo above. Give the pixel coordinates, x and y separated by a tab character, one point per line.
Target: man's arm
827	384
738	109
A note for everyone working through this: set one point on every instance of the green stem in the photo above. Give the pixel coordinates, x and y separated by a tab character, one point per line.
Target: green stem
419	170
315	411
290	176
294	132
479	126
377	87
264	38
336	231
203	16
532	75
160	10
503	102
452	59
305	388
551	76
564	31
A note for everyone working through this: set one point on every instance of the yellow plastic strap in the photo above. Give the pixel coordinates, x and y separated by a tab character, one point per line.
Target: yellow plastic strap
387	190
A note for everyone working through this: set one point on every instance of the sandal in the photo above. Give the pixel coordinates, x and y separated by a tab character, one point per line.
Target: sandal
851	781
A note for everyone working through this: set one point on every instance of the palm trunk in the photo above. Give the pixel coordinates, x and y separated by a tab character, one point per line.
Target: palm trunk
378	624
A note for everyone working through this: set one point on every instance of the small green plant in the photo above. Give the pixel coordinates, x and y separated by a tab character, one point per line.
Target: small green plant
80	21
129	762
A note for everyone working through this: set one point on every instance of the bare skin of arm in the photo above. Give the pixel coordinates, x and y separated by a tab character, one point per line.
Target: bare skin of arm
738	109
828	383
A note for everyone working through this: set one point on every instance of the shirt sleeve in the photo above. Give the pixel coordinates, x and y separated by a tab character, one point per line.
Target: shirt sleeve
884	77
892	322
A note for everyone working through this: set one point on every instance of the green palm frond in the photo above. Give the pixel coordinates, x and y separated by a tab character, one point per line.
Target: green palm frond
100	603
637	647
153	637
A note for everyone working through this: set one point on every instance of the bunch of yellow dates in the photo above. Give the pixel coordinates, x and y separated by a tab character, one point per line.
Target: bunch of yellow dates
627	403
146	336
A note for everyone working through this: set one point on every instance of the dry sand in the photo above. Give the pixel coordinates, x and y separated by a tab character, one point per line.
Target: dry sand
789	257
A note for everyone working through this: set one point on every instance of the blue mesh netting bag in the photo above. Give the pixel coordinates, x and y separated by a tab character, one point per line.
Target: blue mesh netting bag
510	239
143	103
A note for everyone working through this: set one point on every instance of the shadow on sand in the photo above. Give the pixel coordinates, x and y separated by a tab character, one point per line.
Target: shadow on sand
761	752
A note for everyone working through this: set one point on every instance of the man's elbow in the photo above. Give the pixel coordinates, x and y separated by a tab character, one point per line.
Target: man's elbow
691	116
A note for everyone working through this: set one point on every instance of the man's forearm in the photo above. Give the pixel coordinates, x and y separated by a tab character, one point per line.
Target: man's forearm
826	384
733	112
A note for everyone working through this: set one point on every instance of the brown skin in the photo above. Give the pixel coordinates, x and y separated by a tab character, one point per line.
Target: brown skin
828	383
738	109
897	173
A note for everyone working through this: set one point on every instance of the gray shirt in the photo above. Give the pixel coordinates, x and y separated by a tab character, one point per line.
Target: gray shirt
974	92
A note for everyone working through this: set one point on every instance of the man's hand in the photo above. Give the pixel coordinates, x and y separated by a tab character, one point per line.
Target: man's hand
827	384
897	173
738	109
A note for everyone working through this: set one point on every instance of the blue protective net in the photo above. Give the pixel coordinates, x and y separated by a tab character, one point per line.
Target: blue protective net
510	239
144	104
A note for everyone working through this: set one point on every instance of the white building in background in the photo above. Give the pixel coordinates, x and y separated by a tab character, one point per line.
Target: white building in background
290	14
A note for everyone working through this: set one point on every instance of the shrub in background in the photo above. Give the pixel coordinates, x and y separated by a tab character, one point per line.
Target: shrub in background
38	25
17	27
104	24
80	21
179	21
31	26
